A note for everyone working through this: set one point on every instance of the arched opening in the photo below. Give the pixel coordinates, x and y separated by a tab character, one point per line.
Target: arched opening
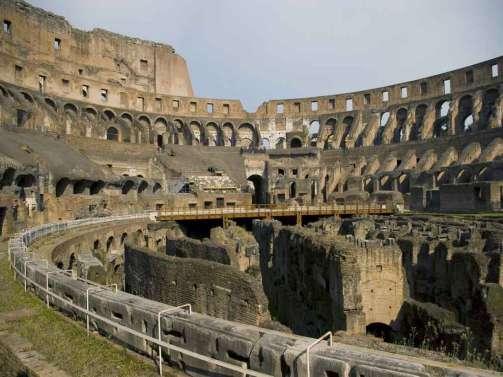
112	134
295	143
464	176
96	245
404	184
71	261
383	121
380	330
90	113
313	132
420	113
8	177
443	178
228	133
488	108
25	180
96	187
247	135
110	242
257	186
347	124
142	186
108	115
157	186
385	183
212	133
293	190
27	97
197	133
70	109
465	116
368	185
159	141
123	238
401	118
128	185
61	186
51	104
441	126
328	134
280	144
80	186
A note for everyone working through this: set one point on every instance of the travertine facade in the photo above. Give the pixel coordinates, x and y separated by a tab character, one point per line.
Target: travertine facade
95	124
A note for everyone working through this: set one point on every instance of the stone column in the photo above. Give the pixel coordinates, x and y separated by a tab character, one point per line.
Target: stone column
394	183
389	129
409	123
426	130
496	119
453	115
477	108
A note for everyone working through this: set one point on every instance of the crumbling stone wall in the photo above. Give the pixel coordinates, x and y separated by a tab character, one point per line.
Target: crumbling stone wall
454	266
211	288
317	282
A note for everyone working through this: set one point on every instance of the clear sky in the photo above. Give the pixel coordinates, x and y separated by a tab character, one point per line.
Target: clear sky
255	50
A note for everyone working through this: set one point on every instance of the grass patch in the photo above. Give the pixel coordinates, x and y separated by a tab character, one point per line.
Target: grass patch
64	343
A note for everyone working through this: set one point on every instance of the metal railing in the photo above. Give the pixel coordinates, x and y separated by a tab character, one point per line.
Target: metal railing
18	251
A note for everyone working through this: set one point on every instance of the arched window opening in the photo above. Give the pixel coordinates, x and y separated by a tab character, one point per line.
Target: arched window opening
380	330
293	190
142	187
313	132
71	261
61	186
420	113
128	185
464	121
96	187
384	119
256	183
295	143
113	134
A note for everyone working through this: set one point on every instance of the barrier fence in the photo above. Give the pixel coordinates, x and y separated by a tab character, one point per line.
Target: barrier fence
19	256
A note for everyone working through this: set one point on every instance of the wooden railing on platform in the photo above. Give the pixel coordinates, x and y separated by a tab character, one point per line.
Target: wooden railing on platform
270	211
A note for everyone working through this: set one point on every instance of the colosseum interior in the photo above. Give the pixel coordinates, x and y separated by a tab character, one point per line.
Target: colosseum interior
236	239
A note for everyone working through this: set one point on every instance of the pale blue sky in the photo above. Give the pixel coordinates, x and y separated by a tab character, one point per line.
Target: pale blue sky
255	50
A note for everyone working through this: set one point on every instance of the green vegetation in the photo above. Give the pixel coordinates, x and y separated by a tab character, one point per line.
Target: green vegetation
63	342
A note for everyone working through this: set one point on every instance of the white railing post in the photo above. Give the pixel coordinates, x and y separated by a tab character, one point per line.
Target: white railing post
308	349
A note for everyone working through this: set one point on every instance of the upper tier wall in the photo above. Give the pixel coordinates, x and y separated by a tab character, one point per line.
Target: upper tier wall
121	75
457	81
149	77
38	43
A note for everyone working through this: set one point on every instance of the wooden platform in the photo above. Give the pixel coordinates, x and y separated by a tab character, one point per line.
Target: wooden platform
271	211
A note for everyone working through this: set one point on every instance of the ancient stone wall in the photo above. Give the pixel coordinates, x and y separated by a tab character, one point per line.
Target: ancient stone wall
69	59
317	282
211	288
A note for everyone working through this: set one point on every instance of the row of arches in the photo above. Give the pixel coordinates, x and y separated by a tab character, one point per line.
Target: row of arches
66	186
421	121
